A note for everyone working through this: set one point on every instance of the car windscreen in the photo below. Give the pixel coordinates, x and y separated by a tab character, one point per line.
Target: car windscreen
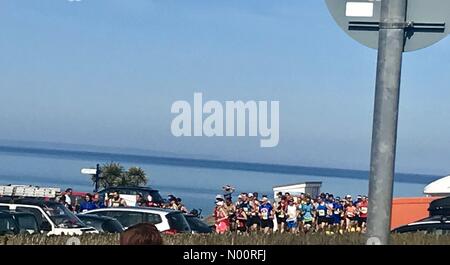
102	225
62	217
112	226
178	222
125	218
198	225
156	197
91	222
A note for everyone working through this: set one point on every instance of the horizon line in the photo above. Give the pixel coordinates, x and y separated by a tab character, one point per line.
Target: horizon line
212	164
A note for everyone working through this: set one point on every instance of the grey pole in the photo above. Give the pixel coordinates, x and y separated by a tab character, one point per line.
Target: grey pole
384	134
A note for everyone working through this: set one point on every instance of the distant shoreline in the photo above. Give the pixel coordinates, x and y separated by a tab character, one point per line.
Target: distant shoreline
205	163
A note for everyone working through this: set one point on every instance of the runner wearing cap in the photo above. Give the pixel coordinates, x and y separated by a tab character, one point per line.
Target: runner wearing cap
222	222
321	211
358	200
329	203
266	214
350	217
292	215
254	221
307	211
337	215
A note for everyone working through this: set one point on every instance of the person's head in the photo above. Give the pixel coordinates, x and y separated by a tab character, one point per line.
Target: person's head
279	194
359	198
331	198
264	199
364	198
115	195
220	203
308	200
88	197
228	202
96	197
219	197
141	234
69	191
250	196
291	202
138	197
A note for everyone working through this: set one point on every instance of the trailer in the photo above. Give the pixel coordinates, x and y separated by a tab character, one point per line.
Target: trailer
311	188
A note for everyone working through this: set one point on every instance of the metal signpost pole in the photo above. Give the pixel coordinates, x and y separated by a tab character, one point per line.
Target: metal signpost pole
384	133
97	172
392	27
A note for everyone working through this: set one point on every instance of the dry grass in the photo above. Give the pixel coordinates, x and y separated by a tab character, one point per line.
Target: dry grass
89	239
233	239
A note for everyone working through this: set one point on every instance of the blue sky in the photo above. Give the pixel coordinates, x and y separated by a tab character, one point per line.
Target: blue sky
106	72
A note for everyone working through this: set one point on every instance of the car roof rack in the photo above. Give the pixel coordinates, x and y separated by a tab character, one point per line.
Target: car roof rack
29	191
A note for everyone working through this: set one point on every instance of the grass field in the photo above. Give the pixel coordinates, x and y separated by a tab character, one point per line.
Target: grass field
232	239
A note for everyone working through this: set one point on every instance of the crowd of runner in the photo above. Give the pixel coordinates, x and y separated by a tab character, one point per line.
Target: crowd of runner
289	213
251	213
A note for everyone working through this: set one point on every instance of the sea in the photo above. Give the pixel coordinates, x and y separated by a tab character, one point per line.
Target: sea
195	181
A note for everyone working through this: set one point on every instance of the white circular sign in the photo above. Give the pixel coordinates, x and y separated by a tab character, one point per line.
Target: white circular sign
429	21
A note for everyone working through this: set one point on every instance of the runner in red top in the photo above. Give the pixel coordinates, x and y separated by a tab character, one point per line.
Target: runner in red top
221	217
362	210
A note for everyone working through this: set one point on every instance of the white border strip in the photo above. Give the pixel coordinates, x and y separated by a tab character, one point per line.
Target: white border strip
359	9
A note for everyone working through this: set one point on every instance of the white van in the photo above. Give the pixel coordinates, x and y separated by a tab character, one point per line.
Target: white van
53	218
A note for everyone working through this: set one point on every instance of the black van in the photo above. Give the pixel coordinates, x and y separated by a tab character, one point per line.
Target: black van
129	194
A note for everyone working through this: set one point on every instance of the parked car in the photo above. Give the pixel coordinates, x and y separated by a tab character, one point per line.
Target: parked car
167	221
129	194
7	224
436	225
440	206
53	218
103	224
197	225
